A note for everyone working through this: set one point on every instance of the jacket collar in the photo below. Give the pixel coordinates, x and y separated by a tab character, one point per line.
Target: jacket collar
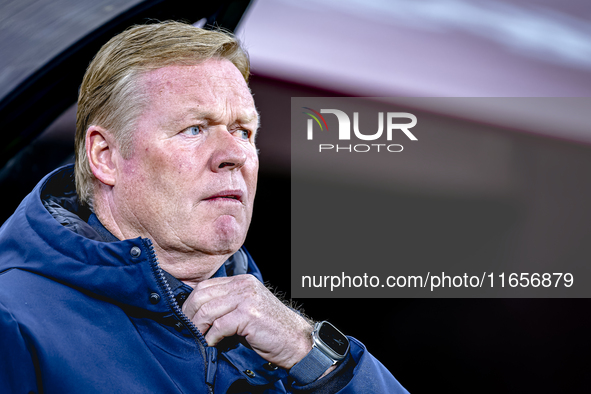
49	235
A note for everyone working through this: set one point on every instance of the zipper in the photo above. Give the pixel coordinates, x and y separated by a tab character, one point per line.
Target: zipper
209	353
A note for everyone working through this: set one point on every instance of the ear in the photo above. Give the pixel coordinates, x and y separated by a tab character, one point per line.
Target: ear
101	152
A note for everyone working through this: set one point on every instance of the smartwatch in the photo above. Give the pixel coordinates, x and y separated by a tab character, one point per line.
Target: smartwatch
329	347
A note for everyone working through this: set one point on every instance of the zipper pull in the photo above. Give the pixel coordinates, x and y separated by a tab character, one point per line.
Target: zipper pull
212	355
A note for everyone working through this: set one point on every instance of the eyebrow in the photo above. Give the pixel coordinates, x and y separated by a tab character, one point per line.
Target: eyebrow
209	115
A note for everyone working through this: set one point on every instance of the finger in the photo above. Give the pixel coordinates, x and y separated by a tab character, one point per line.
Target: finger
216	287
214	282
213	310
226	326
246	278
201	295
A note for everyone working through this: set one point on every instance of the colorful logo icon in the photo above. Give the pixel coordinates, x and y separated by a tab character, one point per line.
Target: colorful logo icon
314	116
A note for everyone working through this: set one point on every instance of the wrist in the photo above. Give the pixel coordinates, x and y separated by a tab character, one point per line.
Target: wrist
329	346
329	370
303	344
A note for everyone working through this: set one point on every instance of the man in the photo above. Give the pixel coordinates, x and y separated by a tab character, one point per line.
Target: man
133	279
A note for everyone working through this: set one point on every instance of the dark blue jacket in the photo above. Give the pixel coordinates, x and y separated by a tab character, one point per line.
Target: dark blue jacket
78	314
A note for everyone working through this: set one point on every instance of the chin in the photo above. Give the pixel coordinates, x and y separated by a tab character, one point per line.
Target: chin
222	245
221	237
229	232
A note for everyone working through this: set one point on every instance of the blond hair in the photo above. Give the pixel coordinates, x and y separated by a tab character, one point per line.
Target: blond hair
111	95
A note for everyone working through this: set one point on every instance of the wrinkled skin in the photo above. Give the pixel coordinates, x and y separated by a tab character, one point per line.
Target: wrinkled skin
189	185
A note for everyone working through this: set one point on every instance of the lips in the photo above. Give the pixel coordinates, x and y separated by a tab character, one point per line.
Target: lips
226	195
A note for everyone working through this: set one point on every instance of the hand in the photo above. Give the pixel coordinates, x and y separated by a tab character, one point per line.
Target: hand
242	305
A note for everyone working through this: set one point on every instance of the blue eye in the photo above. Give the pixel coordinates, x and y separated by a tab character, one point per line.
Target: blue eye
193	130
244	134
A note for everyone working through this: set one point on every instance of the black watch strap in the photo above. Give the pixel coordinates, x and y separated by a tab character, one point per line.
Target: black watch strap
311	367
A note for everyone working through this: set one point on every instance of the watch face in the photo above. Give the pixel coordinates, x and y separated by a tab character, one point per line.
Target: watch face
333	339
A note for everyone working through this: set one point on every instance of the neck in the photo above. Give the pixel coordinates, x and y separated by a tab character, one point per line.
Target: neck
187	265
189	268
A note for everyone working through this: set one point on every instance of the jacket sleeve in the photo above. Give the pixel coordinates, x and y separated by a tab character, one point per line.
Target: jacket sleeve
362	373
17	372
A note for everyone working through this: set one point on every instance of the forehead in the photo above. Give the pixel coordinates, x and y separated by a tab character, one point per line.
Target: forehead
215	84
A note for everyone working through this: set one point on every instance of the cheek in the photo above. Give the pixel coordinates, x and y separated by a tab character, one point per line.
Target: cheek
147	174
253	173
251	179
163	163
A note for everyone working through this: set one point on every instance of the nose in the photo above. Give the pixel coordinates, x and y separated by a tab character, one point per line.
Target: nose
228	154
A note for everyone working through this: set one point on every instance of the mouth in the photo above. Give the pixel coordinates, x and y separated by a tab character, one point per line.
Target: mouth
226	195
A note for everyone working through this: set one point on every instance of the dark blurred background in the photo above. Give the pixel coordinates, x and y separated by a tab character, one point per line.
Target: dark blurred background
518	191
